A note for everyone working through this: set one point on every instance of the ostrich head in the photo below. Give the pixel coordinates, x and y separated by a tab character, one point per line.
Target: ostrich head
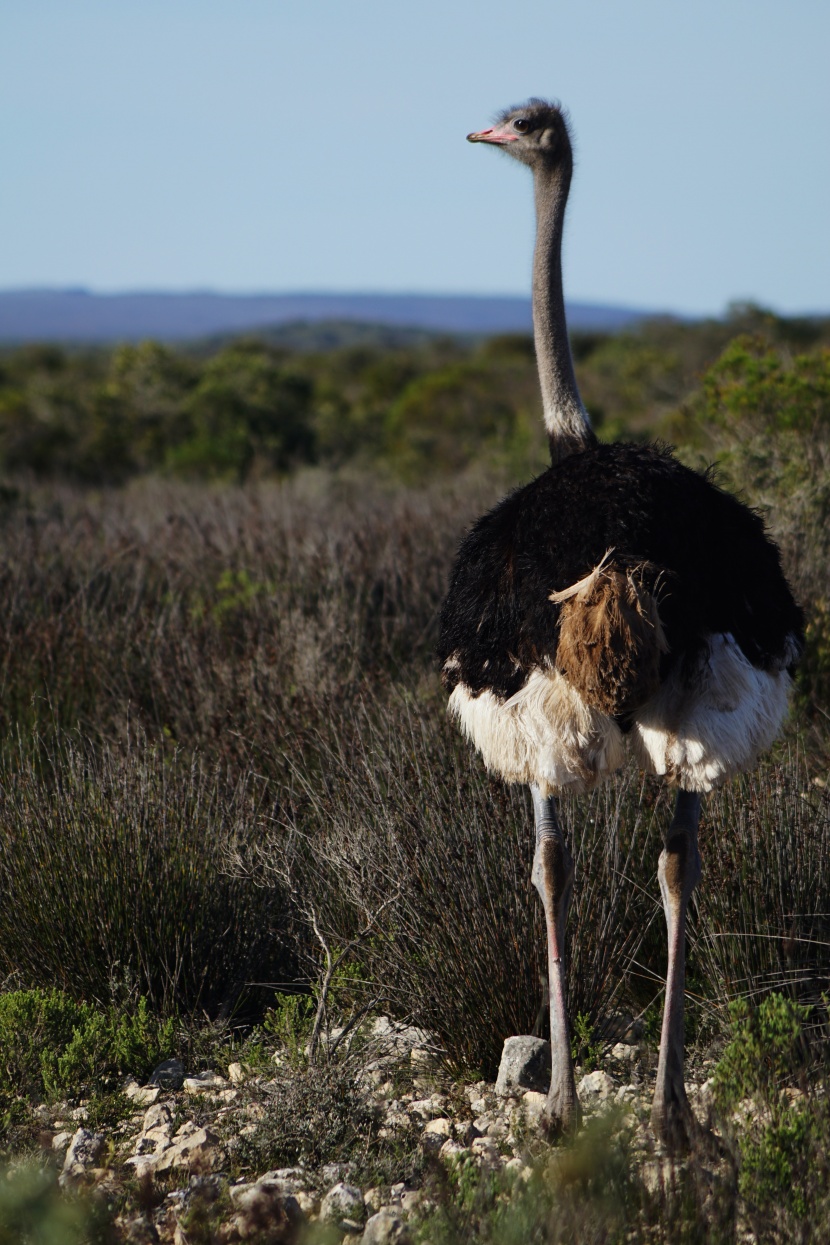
535	133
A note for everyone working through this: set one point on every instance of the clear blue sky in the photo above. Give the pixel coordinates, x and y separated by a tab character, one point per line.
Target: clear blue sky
253	145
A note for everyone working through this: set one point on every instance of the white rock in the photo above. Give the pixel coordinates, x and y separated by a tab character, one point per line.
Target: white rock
486	1150
142	1095
528	1113
453	1151
196	1147
385	1228
158	1116
623	1052
343	1203
597	1085
203	1083
82	1155
60	1142
525	1064
441	1127
238	1072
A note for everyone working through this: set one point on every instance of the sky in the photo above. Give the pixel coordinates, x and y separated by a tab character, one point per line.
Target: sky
318	145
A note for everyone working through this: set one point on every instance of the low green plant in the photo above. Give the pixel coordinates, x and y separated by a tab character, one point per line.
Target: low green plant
784	1132
586	1043
34	1211
51	1044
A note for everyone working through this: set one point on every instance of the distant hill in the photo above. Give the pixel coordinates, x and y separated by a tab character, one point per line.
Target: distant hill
81	316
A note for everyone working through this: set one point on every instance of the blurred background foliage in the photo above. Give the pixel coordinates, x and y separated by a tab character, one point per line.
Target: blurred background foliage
254	407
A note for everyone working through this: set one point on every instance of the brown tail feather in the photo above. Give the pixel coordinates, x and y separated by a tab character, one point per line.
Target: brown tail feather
611	638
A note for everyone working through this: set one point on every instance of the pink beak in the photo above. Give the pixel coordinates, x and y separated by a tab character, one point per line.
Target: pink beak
499	137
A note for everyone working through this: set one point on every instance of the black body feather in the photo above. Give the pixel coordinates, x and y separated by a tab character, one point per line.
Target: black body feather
704	555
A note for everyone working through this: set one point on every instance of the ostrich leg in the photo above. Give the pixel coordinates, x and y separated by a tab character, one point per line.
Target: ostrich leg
679	873
552	876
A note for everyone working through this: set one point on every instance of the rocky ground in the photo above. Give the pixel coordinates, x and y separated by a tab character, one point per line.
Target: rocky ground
185	1156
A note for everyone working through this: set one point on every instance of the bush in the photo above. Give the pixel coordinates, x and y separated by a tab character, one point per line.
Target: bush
51	1044
784	1138
112	866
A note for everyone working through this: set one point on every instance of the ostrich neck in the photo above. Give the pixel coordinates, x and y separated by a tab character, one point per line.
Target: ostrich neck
566	419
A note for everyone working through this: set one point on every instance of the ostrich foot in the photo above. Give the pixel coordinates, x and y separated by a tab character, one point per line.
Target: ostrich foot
562	1115
675	1124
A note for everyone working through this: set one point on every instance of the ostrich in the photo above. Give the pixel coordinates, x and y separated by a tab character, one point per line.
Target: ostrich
618	597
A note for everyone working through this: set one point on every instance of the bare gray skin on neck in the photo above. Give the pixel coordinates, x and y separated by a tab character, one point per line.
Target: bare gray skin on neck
566	419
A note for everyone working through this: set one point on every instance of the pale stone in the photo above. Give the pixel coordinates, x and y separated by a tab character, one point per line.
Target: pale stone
373	1199
237	1073
453	1151
623	1052
143	1095
486	1150
158	1116
198	1148
525	1064
441	1127
411	1200
597	1085
532	1106
203	1083
60	1142
386	1228
82	1154
343	1204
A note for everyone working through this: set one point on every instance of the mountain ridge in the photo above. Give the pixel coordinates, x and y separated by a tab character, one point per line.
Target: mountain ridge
79	315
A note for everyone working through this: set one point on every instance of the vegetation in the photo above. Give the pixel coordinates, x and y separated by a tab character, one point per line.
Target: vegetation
227	781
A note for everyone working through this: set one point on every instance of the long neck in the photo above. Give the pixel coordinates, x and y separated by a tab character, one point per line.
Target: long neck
566	419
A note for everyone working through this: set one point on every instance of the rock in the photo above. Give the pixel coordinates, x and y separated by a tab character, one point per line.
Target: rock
168	1075
373	1199
386	1228
82	1155
623	1052
203	1082
486	1151
525	1064
532	1107
518	1169
411	1200
192	1148
453	1151
466	1131
265	1205
60	1142
596	1085
160	1115
290	1179
343	1204
237	1073
440	1128
142	1095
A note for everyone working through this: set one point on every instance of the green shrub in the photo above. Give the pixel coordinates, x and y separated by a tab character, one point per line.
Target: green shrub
784	1135
34	1211
51	1044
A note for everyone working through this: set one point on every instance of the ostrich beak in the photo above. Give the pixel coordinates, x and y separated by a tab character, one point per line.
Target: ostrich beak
499	137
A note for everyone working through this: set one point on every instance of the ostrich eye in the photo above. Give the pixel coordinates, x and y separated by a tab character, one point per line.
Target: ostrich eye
521	124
